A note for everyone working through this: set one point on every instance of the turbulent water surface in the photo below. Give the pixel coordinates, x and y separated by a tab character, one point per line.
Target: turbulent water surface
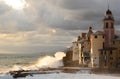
9	61
30	62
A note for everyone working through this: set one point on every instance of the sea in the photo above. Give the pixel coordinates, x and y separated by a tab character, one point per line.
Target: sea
15	62
8	61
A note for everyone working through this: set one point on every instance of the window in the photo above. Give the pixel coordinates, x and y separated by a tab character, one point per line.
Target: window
103	36
112	25
103	45
95	36
106	25
77	44
111	63
111	52
119	58
101	53
113	42
105	53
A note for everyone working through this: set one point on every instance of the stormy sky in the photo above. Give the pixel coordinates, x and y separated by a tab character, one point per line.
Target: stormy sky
50	25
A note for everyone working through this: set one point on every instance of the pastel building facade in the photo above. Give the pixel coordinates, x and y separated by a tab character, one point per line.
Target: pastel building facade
100	49
97	41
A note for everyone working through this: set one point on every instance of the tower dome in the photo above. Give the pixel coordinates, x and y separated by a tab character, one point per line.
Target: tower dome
109	15
89	33
108	12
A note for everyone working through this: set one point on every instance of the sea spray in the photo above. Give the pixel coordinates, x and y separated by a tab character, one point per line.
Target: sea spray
59	55
49	62
43	62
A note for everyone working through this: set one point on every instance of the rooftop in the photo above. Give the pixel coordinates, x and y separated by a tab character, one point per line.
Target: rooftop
98	33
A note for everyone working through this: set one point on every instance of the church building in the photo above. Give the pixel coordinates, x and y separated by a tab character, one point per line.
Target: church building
100	49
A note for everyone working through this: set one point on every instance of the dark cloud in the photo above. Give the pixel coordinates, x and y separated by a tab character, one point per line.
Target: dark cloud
50	24
78	4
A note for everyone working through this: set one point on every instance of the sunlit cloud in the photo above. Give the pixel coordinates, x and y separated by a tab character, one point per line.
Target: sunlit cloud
53	31
16	4
30	26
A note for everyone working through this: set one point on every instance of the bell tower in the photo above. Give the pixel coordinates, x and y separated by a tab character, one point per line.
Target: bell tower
108	28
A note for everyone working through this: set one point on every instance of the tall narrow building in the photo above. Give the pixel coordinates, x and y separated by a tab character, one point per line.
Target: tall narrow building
108	28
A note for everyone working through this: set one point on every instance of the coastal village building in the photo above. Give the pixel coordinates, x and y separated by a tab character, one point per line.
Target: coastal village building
100	49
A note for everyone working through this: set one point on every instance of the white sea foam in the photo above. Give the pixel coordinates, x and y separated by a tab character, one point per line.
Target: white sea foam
49	62
43	62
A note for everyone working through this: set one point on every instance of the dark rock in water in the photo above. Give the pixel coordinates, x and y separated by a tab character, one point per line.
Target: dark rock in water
20	75
17	74
24	73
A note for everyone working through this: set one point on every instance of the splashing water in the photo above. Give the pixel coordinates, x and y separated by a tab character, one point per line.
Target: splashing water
49	62
44	62
60	55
